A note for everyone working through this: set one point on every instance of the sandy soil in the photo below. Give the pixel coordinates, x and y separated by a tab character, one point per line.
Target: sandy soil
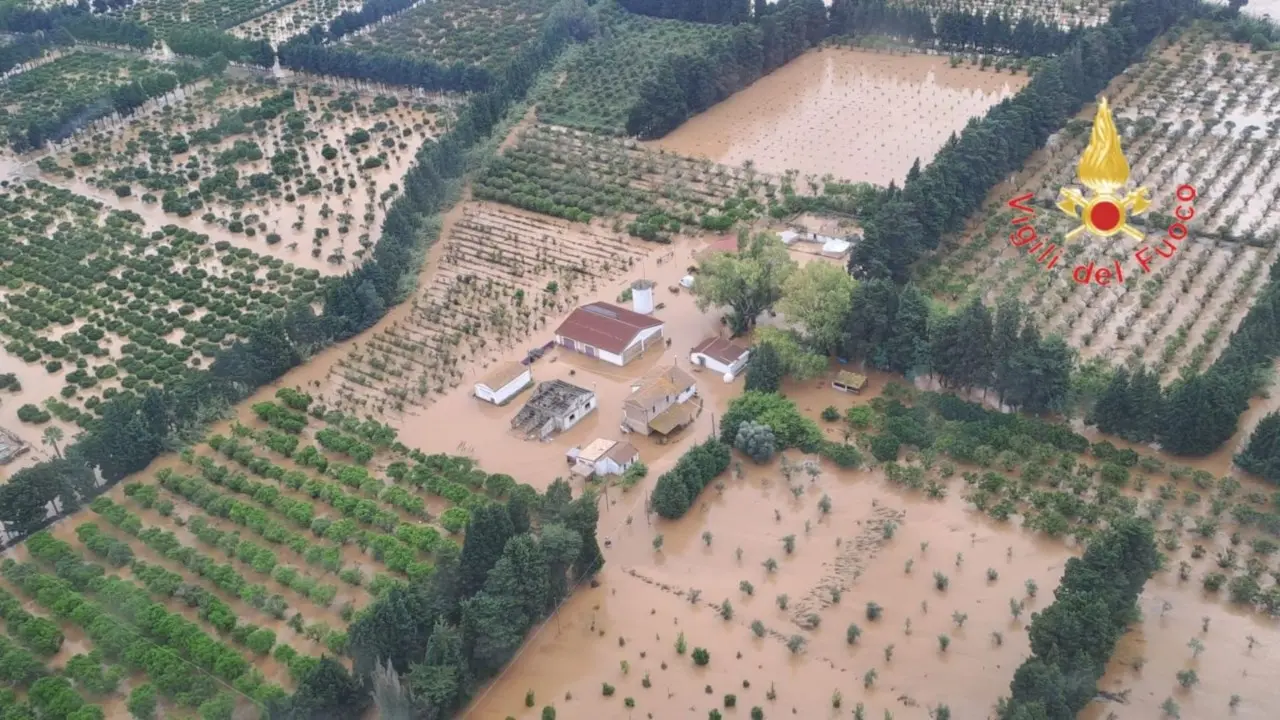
851	114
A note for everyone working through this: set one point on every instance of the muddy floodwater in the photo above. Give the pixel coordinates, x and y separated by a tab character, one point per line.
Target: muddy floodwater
860	116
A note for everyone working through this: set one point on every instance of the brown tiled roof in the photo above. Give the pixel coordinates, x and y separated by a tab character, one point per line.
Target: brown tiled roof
672	419
503	374
726	351
621	452
671	380
605	327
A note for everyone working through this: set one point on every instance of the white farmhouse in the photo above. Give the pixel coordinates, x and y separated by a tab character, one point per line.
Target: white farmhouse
613	334
504	382
721	356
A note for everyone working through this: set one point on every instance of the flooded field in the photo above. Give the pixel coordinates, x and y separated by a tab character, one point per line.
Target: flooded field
295	18
625	632
848	114
300	171
1214	136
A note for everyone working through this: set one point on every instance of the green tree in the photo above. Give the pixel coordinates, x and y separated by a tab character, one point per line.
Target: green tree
748	282
582	518
756	440
142	702
487	534
869	326
818	297
765	369
907	348
1261	456
798	361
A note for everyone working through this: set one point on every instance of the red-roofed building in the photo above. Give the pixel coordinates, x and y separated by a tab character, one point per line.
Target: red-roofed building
608	332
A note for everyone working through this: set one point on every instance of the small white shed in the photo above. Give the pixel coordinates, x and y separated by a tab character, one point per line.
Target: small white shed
504	382
723	356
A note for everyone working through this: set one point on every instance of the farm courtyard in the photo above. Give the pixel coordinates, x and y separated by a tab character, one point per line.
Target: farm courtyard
258	258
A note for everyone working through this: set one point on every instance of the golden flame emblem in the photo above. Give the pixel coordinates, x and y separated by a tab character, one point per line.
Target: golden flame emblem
1104	170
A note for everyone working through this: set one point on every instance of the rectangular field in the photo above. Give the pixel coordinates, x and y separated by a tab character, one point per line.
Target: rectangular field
480	33
1199	113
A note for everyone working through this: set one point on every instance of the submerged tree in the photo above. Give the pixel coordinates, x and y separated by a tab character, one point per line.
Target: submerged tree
748	282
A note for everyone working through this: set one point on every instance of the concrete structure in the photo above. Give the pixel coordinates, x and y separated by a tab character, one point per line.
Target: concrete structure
642	296
849	382
11	446
504	382
608	332
723	356
660	403
603	457
555	406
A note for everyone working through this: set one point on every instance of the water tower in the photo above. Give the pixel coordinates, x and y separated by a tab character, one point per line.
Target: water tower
642	296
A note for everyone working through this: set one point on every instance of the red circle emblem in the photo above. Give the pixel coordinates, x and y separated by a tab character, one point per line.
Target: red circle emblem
1105	216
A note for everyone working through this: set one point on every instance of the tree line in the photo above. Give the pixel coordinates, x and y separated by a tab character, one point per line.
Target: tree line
1200	412
1072	639
442	637
38	31
317	51
204	42
910	221
136	428
954	29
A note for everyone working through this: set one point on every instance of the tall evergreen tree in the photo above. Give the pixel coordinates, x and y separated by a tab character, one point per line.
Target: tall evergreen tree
582	517
907	349
765	370
871	322
974	349
1262	455
487	534
1113	410
1005	346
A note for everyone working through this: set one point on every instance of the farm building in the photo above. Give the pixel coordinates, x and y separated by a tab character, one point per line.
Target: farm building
660	403
608	332
11	446
723	356
849	382
603	457
504	382
555	406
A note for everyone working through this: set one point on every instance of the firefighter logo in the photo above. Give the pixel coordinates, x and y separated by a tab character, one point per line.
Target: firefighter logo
1104	171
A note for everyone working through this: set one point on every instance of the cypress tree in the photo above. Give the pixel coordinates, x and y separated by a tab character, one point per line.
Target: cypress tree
487	534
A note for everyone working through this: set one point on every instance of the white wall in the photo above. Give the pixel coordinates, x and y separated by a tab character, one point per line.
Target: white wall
713	364
497	396
579	414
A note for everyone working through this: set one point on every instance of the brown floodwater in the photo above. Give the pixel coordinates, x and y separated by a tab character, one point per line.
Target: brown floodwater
856	115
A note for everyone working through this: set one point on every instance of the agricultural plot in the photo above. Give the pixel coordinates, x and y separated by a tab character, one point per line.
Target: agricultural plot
160	15
1214	132
1064	13
57	97
304	172
268	539
578	176
480	33
600	81
293	19
92	305
502	276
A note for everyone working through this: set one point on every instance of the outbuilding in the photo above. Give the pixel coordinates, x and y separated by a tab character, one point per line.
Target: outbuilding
849	382
603	457
725	357
504	382
555	406
612	334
